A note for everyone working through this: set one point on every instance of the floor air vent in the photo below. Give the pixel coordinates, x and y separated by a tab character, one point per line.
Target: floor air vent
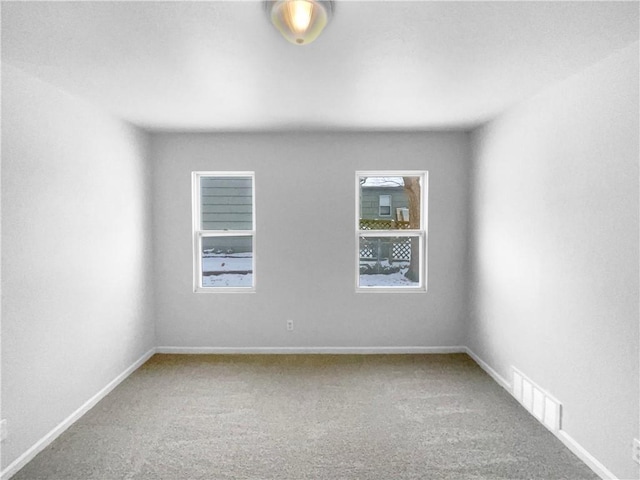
537	401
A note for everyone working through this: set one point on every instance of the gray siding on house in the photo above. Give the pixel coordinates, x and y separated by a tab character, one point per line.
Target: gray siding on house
226	203
370	201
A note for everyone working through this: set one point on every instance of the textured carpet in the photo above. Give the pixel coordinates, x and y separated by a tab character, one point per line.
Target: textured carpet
307	417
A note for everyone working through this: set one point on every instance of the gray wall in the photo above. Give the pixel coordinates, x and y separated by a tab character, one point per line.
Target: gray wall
75	255
305	264
555	251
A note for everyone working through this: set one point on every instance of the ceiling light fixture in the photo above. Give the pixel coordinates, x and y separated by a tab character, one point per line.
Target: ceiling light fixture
300	21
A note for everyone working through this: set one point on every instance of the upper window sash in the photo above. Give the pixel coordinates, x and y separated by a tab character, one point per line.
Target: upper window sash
369	225
199	210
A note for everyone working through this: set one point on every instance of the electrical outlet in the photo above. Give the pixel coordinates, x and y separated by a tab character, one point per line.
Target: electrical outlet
3	430
636	450
290	325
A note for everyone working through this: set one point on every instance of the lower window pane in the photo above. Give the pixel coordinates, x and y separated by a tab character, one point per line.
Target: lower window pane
389	262
227	261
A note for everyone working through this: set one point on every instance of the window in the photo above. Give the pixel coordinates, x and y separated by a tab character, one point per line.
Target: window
391	249
224	231
385	205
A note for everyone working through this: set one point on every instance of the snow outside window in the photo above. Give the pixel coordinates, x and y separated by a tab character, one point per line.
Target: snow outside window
224	231
391	249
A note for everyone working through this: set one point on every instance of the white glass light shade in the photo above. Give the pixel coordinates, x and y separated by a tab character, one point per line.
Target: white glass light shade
300	21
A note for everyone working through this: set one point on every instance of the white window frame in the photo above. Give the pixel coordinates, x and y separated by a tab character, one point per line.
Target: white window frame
199	233
380	214
421	233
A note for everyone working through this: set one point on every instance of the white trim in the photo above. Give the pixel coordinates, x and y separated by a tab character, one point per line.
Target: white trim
490	371
580	452
422	233
45	441
391	233
367	290
198	233
310	350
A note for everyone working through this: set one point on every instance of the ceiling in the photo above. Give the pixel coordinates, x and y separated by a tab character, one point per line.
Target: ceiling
379	65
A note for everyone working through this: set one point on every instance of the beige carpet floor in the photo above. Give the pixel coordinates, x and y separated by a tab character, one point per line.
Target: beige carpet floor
307	417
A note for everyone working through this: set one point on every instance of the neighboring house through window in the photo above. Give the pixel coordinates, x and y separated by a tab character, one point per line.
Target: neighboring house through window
224	231
391	219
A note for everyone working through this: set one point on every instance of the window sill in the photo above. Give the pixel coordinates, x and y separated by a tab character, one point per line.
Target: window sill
224	290
391	290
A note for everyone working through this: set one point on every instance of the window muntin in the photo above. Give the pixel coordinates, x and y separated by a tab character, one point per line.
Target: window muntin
224	231
391	250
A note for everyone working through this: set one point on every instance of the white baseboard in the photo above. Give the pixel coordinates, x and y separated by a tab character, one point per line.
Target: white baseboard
41	444
27	456
309	350
577	449
490	371
585	456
